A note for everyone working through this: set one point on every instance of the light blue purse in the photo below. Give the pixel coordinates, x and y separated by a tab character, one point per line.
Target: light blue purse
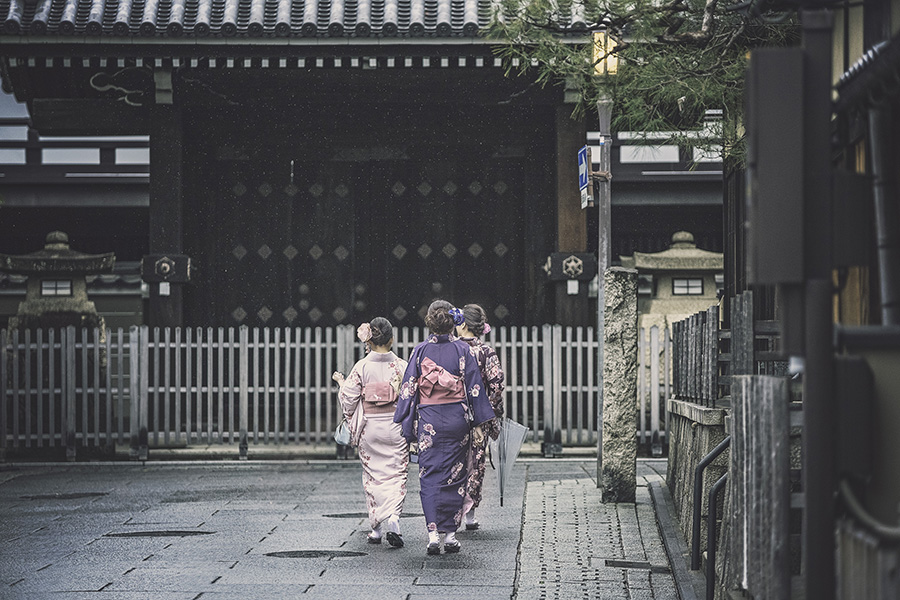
342	433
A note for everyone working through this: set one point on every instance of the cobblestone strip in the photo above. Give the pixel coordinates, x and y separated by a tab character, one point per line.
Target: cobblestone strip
575	547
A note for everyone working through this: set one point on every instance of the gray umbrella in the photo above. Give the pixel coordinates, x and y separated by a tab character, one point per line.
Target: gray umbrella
505	449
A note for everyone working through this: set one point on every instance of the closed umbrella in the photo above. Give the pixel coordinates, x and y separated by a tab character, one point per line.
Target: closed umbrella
505	449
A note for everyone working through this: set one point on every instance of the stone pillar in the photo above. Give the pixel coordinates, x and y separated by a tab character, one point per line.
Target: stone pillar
619	447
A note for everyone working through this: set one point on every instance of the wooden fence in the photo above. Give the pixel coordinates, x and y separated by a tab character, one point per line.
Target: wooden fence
705	356
755	545
654	387
201	386
741	370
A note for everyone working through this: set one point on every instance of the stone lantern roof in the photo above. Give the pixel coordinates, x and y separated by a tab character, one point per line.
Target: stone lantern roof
682	255
57	259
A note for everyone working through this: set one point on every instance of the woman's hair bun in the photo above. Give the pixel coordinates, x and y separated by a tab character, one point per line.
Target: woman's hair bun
438	318
475	318
382	331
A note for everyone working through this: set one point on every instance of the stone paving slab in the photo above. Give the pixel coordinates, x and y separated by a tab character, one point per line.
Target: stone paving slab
570	539
551	539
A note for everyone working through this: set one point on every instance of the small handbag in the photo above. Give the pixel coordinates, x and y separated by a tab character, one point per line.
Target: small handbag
342	433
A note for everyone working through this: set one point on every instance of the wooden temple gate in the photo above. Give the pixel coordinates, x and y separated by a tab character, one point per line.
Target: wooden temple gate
373	221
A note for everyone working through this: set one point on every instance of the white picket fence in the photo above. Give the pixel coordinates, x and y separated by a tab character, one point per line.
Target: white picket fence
148	388
654	387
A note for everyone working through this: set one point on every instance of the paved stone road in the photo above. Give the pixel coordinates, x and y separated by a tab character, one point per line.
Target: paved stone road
296	529
575	547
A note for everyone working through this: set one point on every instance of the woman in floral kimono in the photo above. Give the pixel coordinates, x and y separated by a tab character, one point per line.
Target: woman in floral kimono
470	331
442	398
384	453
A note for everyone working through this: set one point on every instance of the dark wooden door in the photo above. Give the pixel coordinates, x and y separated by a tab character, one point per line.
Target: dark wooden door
310	227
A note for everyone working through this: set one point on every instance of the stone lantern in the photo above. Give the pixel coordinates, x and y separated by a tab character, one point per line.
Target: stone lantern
56	293
676	282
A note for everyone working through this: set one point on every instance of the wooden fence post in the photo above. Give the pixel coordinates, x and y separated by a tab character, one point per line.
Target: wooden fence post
4	401
28	389
642	387
655	442
552	365
243	394
143	393
712	365
16	390
70	399
759	552
742	337
667	386
134	391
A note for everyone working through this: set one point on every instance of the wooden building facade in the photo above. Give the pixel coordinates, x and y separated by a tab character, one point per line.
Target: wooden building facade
323	162
321	165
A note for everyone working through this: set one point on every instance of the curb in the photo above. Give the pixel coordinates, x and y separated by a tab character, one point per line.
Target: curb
691	584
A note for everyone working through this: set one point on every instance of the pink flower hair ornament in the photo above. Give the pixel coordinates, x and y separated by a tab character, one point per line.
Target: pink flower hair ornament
487	328
364	332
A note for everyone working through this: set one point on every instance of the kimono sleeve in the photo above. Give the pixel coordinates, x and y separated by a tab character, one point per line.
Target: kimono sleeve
350	393
494	380
476	391
408	398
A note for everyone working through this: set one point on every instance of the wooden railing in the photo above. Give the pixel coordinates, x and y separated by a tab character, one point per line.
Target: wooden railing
705	356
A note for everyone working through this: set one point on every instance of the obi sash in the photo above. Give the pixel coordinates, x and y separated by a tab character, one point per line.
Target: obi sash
439	386
379	398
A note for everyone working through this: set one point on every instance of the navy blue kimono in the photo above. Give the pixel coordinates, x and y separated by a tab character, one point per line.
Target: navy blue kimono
441	398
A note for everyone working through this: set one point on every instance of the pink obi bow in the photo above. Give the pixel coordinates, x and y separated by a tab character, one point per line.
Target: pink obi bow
436	383
379	393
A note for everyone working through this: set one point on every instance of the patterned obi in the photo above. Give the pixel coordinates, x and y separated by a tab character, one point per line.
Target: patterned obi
379	398
439	386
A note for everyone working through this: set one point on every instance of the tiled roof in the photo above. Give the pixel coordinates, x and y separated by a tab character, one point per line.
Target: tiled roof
247	18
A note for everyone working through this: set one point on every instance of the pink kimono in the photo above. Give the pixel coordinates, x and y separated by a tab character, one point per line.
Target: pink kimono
383	451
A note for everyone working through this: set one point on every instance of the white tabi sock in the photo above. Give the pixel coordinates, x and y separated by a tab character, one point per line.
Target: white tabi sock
392	524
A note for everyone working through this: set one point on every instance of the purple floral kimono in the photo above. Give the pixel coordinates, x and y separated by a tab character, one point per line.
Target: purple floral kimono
493	377
444	395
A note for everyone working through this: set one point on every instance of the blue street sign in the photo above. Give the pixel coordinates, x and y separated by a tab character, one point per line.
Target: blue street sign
584	168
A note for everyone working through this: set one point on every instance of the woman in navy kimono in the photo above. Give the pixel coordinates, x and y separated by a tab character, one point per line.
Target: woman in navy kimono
442	398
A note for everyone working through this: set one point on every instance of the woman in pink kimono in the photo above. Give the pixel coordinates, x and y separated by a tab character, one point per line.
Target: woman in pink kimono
384	453
470	331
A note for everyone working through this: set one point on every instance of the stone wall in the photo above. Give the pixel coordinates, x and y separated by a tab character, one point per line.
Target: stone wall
694	431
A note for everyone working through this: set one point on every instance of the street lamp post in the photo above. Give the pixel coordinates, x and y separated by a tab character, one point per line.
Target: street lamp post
604	231
605	63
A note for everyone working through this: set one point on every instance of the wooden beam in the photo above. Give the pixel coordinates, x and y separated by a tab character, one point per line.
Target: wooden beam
59	116
166	210
571	221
